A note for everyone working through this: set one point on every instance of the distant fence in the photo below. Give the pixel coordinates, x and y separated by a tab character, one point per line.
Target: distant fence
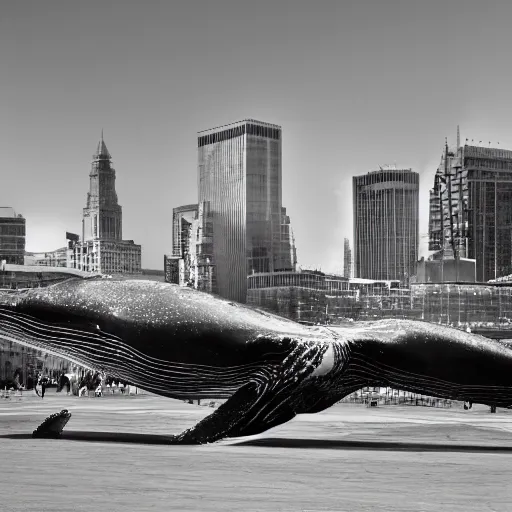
395	397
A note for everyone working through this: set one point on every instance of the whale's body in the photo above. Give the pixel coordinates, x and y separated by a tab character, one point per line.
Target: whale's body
181	343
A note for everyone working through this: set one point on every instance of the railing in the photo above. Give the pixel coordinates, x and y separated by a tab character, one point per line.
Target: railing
393	399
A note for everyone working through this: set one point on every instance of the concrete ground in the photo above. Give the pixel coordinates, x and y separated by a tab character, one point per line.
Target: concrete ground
348	458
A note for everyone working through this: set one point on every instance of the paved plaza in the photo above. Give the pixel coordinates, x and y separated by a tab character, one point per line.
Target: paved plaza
348	458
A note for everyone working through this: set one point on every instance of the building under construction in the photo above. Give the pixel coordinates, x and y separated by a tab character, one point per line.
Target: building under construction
471	208
299	296
315	297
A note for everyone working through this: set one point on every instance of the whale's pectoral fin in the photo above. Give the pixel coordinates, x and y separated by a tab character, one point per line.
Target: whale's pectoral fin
52	426
238	416
263	404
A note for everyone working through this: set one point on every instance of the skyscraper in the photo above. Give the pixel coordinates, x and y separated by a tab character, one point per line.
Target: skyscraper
386	224
102	248
239	167
471	209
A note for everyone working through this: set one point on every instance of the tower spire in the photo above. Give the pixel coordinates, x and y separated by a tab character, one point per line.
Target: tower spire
102	151
458	137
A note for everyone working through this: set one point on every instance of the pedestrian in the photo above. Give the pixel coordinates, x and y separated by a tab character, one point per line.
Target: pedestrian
44	383
37	384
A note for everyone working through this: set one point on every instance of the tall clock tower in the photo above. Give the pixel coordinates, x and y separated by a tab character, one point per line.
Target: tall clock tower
102	217
102	248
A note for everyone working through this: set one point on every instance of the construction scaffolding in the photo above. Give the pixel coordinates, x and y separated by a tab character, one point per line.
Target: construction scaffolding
311	297
471	209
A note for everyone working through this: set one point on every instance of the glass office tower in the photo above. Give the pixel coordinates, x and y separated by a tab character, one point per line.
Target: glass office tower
239	172
386	224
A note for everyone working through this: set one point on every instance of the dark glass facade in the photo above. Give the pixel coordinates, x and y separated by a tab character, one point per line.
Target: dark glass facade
12	237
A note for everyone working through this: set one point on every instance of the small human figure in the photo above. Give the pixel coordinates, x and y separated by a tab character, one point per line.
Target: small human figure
37	384
17	379
85	383
44	384
64	380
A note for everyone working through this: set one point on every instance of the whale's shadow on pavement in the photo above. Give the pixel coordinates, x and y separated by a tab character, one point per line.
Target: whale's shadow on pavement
277	442
343	444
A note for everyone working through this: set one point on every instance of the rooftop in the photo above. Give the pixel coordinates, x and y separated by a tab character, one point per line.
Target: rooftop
487	152
186	208
387	168
8	212
238	123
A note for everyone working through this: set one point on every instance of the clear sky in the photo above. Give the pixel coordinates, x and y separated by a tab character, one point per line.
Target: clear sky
354	85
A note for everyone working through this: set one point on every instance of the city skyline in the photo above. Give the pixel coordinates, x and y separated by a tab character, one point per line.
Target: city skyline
353	86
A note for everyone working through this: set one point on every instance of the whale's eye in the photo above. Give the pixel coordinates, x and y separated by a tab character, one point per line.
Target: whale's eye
326	364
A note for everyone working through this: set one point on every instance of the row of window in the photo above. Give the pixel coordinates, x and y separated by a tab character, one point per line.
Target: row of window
13	230
250	129
490	164
12	259
16	245
387	176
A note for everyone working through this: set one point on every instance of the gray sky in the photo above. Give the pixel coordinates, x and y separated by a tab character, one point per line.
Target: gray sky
354	84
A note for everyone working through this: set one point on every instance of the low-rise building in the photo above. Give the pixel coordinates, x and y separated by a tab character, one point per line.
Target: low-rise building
314	297
105	256
441	270
57	258
12	236
192	263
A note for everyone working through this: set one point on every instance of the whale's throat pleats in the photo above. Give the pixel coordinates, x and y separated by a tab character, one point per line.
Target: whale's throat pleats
143	355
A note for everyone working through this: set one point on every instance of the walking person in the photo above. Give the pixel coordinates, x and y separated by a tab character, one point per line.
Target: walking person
37	384
44	384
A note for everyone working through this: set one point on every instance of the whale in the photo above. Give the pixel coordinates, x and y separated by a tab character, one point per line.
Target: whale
185	344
